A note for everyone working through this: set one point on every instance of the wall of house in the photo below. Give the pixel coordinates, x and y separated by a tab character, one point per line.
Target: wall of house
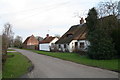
53	41
57	45
47	46
86	44
32	41
60	47
69	46
72	45
35	47
52	45
44	47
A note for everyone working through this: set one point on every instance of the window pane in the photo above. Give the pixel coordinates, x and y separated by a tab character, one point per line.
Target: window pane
82	45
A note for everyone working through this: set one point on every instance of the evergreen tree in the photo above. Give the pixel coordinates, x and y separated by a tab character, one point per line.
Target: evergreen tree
101	46
91	20
116	39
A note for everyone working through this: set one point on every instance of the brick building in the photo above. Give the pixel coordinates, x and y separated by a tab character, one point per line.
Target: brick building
31	43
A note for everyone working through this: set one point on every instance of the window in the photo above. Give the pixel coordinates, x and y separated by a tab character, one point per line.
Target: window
64	45
52	43
69	35
82	45
59	45
76	44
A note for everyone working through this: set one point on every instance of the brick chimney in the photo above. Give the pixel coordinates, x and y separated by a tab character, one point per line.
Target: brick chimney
47	35
81	21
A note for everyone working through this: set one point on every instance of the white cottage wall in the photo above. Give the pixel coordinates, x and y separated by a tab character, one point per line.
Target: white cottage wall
72	45
53	41
44	47
86	43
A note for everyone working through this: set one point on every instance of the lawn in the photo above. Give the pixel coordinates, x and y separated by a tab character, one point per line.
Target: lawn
10	50
15	66
0	75
105	64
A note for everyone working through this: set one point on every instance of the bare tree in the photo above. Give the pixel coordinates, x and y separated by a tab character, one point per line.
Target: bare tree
57	35
39	38
18	42
118	7
107	8
7	36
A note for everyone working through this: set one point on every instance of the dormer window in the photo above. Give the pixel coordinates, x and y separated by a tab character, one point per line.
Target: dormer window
69	35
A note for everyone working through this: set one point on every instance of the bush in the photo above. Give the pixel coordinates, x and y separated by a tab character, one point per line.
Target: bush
116	39
101	45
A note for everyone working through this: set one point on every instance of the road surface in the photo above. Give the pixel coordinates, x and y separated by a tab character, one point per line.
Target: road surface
49	67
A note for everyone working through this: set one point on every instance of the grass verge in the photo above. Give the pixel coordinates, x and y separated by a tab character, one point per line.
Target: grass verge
105	64
0	75
15	66
10	50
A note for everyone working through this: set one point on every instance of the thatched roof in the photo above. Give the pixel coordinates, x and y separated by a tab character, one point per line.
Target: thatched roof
76	32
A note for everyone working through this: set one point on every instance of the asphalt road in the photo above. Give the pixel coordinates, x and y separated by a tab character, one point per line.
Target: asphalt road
49	67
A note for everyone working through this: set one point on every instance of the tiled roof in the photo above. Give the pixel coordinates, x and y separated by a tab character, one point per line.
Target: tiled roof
47	40
31	39
25	42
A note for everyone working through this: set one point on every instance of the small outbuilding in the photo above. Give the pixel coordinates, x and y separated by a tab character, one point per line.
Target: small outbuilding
46	43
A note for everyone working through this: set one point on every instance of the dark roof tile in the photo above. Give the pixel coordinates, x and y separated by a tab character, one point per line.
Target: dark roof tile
47	40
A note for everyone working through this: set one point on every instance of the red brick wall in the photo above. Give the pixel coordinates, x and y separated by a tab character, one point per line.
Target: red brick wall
32	41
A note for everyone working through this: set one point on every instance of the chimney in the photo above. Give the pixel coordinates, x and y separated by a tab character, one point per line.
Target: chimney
47	35
81	21
32	35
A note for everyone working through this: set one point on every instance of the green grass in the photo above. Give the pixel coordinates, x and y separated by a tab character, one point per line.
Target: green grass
105	64
0	75
10	50
15	66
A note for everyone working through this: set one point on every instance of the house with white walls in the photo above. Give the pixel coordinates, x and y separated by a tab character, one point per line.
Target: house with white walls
74	39
46	43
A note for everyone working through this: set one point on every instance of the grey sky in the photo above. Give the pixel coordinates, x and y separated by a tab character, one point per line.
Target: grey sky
39	17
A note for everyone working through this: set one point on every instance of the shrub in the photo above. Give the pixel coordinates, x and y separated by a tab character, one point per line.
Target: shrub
116	39
101	45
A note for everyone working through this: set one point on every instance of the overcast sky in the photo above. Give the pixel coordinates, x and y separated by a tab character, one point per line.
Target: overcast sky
40	17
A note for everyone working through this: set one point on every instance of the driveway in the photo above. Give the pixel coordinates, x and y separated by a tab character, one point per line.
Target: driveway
49	67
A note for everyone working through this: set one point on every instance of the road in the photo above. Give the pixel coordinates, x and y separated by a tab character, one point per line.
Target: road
49	67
